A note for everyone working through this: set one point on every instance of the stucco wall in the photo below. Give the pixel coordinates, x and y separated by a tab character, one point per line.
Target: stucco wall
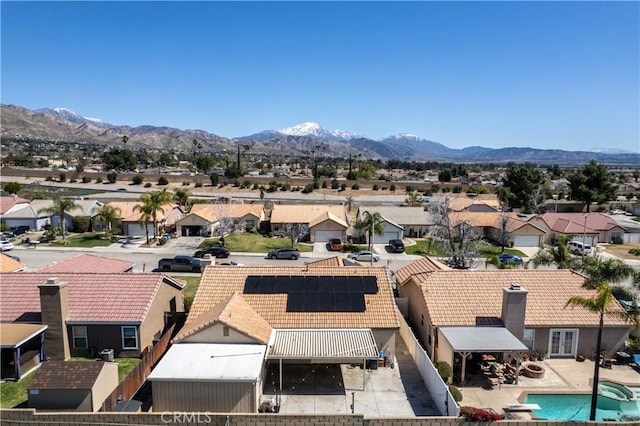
60	399
220	397
106	382
154	322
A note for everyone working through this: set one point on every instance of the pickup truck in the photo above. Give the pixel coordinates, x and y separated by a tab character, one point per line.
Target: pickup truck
180	264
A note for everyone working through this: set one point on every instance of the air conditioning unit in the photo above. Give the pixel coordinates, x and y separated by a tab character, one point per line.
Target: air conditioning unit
107	355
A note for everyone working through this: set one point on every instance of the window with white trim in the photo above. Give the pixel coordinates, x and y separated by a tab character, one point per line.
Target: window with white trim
79	333
129	337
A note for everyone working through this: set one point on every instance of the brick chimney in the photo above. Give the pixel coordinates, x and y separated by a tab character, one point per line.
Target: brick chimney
54	308
514	306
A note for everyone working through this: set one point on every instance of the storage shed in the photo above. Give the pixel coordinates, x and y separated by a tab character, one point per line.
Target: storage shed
223	378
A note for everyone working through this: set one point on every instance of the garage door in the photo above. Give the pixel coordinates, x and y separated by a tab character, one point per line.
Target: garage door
526	241
137	229
387	236
322	236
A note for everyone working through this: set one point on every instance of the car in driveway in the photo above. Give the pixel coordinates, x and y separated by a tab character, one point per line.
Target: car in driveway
215	251
504	258
397	246
6	245
363	256
335	244
284	253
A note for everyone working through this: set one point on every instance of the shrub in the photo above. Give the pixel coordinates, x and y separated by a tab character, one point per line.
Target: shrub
81	223
147	185
634	252
455	393
444	369
408	188
198	185
355	186
392	188
343	186
137	179
86	179
308	188
63	177
98	179
375	187
186	183
163	181
479	415
335	184
324	184
214	177
112	177
49	179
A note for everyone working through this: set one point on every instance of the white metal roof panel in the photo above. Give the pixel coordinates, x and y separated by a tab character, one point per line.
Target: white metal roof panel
210	362
323	343
482	339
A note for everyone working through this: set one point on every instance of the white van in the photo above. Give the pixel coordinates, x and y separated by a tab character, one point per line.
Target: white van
578	247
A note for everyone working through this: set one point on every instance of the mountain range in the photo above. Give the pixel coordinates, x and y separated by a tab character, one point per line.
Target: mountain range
64	125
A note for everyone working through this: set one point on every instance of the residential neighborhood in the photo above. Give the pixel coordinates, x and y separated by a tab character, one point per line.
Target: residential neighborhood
321	334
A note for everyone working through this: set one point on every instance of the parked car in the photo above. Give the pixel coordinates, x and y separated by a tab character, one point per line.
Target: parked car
6	246
397	246
215	251
335	244
504	258
180	264
364	256
284	253
18	230
230	263
578	247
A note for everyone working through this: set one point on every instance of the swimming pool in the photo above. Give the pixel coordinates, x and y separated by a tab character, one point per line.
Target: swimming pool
578	406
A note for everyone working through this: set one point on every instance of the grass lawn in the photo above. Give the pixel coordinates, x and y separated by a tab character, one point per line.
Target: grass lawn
436	249
125	365
189	291
15	393
250	242
89	239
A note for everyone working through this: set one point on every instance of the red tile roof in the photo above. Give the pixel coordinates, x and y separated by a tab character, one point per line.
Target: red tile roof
9	264
574	223
87	262
7	202
424	265
462	298
92	297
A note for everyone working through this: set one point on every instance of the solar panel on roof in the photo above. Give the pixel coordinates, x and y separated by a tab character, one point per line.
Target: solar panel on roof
268	285
370	285
295	302
355	285
357	302
312	284
296	284
252	284
340	282
311	302
343	302
326	302
326	284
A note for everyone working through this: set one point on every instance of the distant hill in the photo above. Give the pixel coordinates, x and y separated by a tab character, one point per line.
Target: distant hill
61	124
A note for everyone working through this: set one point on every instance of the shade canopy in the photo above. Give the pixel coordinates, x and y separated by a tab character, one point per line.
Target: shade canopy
482	339
329	345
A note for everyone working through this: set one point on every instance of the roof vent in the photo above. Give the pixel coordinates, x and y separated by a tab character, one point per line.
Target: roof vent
52	281
514	286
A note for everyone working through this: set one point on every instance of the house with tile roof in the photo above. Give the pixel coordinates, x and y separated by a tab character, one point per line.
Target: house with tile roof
89	263
130	223
88	312
33	216
390	229
528	304
11	264
72	385
473	205
251	318
593	227
10	203
517	231
324	221
415	222
205	219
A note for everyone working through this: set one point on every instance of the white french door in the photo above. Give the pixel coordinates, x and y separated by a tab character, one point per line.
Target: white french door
563	342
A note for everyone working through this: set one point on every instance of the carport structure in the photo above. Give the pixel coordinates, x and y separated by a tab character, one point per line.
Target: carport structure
322	346
467	340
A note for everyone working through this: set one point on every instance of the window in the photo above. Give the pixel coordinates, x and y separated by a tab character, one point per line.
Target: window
79	336
129	337
225	331
529	337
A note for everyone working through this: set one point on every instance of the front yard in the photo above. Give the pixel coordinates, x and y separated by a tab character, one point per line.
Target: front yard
252	242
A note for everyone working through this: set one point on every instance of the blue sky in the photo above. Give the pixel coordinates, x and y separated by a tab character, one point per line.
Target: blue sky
496	74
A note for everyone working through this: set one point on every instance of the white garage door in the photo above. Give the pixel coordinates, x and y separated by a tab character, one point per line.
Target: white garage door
384	238
526	241
137	229
321	236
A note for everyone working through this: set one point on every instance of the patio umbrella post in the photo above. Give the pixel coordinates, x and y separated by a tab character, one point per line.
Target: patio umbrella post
464	366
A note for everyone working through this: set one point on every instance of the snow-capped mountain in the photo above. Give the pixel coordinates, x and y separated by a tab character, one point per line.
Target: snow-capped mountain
71	116
611	151
314	129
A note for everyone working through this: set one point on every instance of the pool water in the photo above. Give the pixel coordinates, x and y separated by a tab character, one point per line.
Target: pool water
578	406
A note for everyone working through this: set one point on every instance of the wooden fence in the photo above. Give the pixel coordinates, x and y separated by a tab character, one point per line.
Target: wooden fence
136	377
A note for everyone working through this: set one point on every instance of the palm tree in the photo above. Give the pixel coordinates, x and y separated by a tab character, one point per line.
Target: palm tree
413	199
60	207
145	216
108	214
599	270
601	303
349	203
182	196
370	222
558	255
153	202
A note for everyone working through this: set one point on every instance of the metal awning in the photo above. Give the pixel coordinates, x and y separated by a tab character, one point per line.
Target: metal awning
482	339
14	334
329	345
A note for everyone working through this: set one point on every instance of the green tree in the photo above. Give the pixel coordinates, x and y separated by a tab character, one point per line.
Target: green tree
146	215
118	159
604	304
348	202
81	223
215	178
60	207
599	269
413	199
137	179
181	196
12	187
370	223
444	175
204	163
108	214
558	255
592	184
520	185
154	202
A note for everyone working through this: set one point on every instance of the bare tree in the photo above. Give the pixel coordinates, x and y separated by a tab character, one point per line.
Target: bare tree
537	197
503	230
458	233
295	231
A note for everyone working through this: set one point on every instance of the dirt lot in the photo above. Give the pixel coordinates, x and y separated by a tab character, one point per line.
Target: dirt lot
622	250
